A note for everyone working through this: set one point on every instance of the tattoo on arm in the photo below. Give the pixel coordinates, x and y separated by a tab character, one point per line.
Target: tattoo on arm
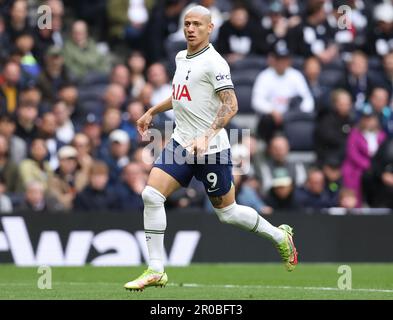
226	111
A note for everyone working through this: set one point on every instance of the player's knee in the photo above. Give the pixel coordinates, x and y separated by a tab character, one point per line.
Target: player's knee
152	197
227	214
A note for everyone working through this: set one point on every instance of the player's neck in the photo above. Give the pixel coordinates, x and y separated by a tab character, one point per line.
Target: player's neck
192	50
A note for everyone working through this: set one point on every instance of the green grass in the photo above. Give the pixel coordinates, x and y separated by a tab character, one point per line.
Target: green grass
203	281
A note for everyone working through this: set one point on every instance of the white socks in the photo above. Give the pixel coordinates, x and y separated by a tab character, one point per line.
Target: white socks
247	218
155	225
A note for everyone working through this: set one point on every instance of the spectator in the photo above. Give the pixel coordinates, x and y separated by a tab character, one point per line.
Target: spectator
4	40
8	169
379	99
144	157
114	97
163	21
333	127
5	201
246	195
9	86
65	128
24	43
97	196
119	147
135	110
237	37
31	95
53	76
92	129
387	77
110	122
275	28
17	147
17	21
314	194
82	144
47	127
358	81
69	178
157	76
50	37
36	167
314	36
278	150
281	195
130	189
273	91
354	35
136	63
68	92
81	54
378	180
26	118
313	76
363	142
347	199
333	177
120	75
380	37
37	200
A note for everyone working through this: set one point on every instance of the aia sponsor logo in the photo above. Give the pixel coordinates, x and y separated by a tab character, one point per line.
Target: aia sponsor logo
180	92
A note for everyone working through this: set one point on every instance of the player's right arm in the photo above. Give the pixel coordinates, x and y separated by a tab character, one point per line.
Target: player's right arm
144	122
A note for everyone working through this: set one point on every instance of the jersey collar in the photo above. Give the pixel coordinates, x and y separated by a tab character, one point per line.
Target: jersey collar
190	56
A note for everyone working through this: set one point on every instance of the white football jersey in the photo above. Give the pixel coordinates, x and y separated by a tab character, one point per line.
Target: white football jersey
195	102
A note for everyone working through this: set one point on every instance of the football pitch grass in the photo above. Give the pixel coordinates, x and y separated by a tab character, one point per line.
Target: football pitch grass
203	281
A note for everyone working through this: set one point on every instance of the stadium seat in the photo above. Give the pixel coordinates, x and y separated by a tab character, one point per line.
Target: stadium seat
331	78
92	92
244	77
243	94
250	62
299	129
94	78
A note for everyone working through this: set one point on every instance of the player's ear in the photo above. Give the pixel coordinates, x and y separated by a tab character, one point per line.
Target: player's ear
210	27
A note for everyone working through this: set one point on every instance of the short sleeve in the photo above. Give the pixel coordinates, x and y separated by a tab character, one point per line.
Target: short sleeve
220	75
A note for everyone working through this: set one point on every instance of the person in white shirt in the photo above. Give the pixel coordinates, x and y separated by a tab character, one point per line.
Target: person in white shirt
204	101
274	90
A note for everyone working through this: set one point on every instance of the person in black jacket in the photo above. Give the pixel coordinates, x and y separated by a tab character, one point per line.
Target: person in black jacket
314	194
237	36
314	36
333	127
282	193
378	180
97	196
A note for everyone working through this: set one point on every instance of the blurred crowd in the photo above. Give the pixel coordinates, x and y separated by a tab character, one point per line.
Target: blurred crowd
316	75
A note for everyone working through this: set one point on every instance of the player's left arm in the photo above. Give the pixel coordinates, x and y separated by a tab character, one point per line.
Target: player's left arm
226	112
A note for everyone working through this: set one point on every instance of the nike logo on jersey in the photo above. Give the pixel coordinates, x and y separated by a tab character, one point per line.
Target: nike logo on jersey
210	190
179	92
188	73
